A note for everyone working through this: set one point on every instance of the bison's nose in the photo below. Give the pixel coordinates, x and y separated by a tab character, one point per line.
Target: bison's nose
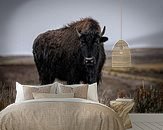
89	60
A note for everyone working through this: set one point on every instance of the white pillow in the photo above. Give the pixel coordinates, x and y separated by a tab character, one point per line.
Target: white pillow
19	93
20	90
92	90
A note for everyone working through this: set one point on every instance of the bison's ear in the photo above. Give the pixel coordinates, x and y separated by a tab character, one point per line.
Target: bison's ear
103	39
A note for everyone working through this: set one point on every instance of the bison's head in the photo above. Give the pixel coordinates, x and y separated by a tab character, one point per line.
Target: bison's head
90	43
91	47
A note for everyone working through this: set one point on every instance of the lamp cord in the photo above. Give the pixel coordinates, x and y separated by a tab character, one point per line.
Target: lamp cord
121	17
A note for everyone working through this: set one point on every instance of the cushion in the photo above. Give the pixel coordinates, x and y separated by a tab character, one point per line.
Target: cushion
50	95
123	107
27	91
92	90
24	92
79	92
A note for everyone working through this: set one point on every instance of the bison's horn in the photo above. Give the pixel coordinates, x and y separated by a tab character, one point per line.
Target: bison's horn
103	31
79	34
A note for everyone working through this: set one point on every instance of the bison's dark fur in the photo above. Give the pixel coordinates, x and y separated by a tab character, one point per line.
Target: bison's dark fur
74	53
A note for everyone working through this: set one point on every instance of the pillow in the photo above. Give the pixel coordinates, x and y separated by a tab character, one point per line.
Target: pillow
28	90
24	92
92	90
50	95
79	92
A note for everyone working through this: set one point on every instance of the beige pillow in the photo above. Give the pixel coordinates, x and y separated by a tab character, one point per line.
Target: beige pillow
24	92
92	90
50	95
29	90
79	92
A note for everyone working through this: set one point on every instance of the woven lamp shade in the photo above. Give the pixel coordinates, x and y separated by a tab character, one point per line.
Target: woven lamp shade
121	55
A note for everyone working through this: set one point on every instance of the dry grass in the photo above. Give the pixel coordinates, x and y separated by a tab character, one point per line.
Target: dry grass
154	66
7	93
153	73
25	74
15	60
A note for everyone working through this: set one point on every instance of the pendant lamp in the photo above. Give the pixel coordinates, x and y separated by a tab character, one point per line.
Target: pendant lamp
121	55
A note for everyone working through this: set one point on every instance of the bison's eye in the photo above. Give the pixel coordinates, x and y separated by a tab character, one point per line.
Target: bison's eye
97	41
83	44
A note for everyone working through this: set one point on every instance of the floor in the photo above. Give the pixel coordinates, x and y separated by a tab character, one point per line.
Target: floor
147	121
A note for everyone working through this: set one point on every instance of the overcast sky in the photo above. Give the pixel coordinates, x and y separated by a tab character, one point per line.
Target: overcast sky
22	20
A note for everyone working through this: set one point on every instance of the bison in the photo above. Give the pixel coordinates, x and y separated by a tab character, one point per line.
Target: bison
74	53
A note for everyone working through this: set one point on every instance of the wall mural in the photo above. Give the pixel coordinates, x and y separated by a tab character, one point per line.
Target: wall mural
127	73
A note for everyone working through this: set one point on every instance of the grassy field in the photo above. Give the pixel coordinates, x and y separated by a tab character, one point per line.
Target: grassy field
147	66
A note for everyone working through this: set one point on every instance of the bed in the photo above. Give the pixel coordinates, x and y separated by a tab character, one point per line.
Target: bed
59	113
